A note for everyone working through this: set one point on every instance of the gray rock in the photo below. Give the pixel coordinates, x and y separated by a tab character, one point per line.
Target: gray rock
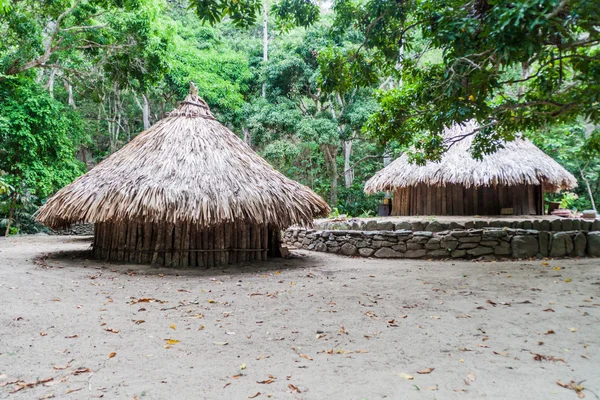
449	244
435	226
495	233
385	226
489	243
596	225
417	226
480	251
438	253
536	224
544	225
556	225
459	234
415	253
423	233
418	239
502	251
458	253
524	246
334	249
470	239
366	252
455	225
527	225
586	225
579	244
348	249
433	245
372	225
322	247
399	247
386	243
593	244
481	224
544	239
562	244
414	246
567	224
577	224
469	225
463	246
497	224
376	244
403	226
386	252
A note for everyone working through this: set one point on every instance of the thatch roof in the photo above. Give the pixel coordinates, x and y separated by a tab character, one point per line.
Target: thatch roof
185	168
518	162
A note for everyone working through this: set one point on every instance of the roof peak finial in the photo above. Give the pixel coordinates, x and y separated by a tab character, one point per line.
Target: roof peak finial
193	89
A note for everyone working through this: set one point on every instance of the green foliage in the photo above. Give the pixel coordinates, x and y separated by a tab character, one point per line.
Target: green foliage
242	12
37	138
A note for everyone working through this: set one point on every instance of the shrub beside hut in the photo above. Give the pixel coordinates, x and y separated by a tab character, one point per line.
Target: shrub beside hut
510	181
187	192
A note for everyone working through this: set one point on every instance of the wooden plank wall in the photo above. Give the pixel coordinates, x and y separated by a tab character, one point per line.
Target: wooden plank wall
458	200
183	245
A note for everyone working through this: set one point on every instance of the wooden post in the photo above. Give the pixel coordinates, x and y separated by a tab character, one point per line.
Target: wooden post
185	250
176	255
227	243
193	245
201	261
265	241
158	258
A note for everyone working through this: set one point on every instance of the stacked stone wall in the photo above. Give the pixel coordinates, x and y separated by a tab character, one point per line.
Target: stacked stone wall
453	240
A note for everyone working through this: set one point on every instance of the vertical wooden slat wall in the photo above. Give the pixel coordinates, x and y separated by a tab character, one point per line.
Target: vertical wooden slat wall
183	245
457	200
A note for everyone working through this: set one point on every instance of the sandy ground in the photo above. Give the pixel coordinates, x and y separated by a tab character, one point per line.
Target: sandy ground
318	326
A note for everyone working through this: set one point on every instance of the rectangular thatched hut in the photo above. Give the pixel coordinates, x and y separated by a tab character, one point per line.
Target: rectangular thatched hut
510	181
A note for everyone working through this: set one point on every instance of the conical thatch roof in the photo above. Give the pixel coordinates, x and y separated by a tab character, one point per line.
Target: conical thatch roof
185	168
519	162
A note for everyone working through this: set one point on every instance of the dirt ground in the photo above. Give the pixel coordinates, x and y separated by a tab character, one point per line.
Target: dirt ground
318	326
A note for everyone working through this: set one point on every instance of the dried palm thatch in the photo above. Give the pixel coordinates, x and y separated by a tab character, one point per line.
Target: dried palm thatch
187	168
519	162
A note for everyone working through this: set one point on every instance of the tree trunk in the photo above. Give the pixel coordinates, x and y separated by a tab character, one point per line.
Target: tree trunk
330	153
247	136
348	170
589	189
146	112
50	84
11	213
265	43
69	89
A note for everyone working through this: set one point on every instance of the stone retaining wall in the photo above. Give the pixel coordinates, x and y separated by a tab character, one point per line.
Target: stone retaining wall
488	243
557	225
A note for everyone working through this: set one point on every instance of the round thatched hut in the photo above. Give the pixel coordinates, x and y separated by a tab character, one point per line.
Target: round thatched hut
185	192
510	181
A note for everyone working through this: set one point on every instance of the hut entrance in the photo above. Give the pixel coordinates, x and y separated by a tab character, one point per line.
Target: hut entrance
459	200
184	245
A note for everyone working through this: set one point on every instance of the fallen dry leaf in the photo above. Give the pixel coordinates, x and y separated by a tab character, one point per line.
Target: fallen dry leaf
243	366
73	390
305	356
71	337
573	386
406	376
294	388
62	368
267	382
501	353
425	371
111	355
43	334
254	396
111	330
471	376
81	370
171	341
550	332
173	326
139	321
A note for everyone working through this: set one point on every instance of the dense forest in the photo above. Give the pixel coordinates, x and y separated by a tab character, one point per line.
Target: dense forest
325	92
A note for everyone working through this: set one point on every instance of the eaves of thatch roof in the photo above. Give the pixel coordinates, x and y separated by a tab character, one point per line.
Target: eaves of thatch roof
186	168
519	162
